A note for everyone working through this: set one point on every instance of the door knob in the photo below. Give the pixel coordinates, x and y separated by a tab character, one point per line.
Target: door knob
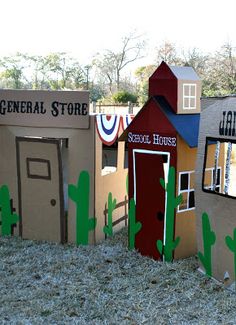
53	202
160	216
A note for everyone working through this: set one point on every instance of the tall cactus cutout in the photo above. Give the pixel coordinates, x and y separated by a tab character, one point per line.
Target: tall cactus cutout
172	202
7	217
209	239
231	243
133	226
111	206
80	195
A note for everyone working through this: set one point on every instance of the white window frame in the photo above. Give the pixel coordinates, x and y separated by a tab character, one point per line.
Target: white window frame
188	190
212	180
166	172
189	97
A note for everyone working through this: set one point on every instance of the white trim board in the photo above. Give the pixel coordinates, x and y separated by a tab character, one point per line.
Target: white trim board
166	172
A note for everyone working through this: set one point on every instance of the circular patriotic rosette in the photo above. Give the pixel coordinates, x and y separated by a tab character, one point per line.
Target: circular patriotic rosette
126	120
108	128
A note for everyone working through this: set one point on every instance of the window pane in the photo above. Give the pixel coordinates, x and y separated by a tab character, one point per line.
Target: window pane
186	102
186	90
191	200
192	102
184	204
184	182
226	167
193	90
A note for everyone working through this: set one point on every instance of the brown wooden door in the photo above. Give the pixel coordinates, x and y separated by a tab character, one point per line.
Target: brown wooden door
150	200
40	189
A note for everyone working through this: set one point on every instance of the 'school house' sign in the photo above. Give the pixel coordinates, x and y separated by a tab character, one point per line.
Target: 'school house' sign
40	108
155	139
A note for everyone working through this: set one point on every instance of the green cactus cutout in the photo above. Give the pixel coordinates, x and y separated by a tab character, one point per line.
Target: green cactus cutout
231	243
209	239
8	218
172	202
80	195
133	226
111	206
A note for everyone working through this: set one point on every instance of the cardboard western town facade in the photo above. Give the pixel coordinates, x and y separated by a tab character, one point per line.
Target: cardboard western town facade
52	168
216	204
162	146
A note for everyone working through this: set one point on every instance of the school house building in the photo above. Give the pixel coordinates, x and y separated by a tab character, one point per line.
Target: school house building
163	135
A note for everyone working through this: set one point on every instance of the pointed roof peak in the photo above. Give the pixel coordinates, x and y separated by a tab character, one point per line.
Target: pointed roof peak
180	72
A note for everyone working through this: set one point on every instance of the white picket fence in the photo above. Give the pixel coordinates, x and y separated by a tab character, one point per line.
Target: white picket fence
130	108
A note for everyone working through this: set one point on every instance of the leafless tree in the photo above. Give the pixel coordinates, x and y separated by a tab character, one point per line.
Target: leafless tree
226	58
112	63
167	52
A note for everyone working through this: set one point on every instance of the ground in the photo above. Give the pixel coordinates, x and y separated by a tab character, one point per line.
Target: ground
42	283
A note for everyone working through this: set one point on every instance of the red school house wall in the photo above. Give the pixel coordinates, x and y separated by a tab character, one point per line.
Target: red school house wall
164	83
151	131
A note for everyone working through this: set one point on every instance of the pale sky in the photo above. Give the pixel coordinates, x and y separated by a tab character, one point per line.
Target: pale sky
83	28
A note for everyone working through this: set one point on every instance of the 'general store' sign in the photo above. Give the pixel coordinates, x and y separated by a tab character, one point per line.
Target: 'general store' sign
67	109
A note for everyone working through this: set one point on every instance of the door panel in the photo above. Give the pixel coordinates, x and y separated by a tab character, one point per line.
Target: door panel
150	200
40	189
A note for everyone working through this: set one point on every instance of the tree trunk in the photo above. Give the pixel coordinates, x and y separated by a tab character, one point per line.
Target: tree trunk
118	80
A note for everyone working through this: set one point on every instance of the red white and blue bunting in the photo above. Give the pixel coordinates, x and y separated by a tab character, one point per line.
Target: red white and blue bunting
126	120
108	126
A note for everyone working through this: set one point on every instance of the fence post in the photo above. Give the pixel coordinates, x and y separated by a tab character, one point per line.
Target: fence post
94	107
130	109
